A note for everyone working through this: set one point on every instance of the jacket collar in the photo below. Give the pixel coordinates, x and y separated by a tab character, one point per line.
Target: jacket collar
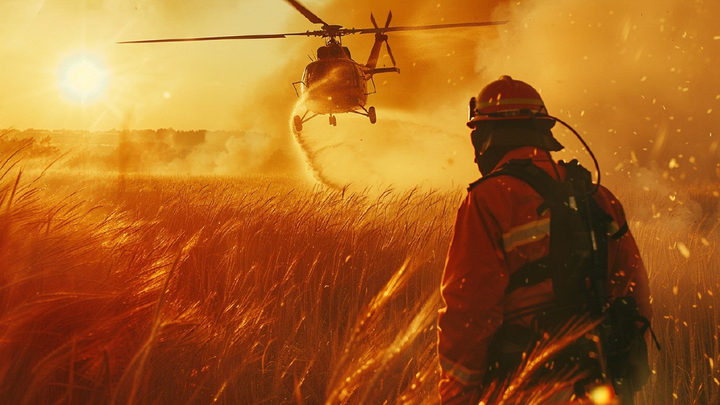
537	155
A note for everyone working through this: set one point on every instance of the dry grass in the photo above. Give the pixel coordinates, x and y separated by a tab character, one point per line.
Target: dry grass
198	290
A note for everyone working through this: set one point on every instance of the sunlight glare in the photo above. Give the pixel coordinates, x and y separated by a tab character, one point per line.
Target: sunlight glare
83	78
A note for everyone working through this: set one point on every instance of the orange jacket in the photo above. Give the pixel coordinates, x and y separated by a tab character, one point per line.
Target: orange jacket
497	231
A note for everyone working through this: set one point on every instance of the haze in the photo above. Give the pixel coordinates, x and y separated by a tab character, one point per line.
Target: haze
636	78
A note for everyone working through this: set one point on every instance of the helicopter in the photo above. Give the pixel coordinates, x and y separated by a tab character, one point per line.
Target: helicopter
334	83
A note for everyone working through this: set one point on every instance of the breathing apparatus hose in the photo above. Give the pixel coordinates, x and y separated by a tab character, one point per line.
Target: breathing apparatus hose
587	148
534	116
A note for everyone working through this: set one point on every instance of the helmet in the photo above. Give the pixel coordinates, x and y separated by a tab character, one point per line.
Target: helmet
508	114
506	99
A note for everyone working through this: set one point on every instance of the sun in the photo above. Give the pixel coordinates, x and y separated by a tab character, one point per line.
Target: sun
83	78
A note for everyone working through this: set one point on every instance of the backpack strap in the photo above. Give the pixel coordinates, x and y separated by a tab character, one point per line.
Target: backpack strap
550	190
537	178
620	232
526	171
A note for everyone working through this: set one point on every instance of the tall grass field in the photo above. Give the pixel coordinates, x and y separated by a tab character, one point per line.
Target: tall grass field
131	289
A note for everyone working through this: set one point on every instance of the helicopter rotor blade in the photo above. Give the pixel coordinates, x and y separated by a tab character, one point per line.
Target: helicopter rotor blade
392	58
338	31
422	27
260	36
307	13
149	41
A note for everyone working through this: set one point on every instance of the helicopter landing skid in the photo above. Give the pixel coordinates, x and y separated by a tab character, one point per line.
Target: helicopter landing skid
370	113
299	121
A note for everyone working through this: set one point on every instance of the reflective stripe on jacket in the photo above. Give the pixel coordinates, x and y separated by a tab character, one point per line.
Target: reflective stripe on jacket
497	231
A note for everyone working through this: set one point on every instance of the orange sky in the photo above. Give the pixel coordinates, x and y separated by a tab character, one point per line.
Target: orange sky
637	78
147	86
185	86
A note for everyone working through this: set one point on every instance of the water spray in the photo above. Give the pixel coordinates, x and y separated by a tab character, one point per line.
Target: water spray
311	158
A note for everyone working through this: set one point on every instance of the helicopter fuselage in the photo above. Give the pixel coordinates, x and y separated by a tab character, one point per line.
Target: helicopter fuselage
333	85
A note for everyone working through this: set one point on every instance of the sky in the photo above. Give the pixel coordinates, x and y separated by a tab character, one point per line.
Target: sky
185	87
637	79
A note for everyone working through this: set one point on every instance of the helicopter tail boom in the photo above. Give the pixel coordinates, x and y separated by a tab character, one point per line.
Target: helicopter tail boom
375	51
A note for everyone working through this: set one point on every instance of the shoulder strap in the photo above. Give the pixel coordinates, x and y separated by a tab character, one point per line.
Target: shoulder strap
551	192
524	170
535	177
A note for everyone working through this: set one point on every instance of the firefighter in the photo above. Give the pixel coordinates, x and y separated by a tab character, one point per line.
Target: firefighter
499	230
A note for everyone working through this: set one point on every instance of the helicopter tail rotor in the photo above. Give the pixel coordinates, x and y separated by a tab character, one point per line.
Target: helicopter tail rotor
387	23
389	50
387	44
372	19
381	37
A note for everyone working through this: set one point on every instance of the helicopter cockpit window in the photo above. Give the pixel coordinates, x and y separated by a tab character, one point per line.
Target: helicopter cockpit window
324	52
333	51
334	72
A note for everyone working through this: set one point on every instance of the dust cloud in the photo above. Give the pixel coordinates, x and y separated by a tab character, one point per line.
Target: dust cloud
350	155
636	79
162	151
420	138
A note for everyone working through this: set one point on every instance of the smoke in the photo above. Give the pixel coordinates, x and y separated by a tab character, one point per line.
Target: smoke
266	114
420	138
167	151
634	78
401	154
